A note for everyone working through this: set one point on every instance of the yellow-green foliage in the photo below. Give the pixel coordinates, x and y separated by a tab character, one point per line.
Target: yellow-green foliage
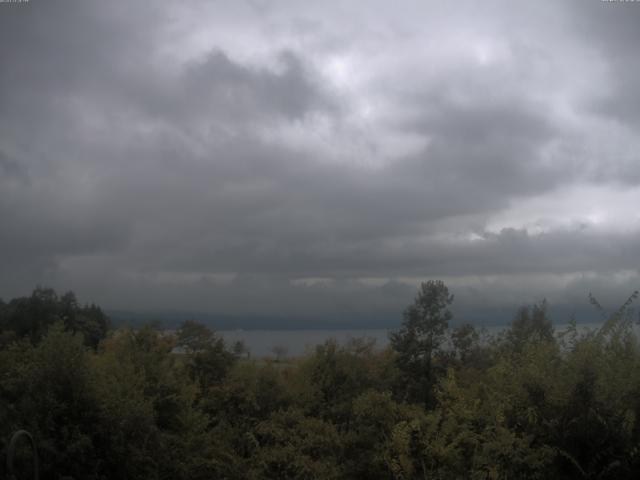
525	405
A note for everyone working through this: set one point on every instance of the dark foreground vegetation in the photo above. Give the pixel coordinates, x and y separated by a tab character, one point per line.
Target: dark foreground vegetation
439	403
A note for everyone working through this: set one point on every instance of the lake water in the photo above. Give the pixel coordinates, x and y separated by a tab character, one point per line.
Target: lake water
298	342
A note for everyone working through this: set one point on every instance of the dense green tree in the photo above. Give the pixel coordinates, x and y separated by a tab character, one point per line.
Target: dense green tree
464	340
331	378
291	446
467	436
148	404
206	355
420	338
194	336
151	426
46	389
30	317
531	323
375	416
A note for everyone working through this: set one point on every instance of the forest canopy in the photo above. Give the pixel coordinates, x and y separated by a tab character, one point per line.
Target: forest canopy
438	402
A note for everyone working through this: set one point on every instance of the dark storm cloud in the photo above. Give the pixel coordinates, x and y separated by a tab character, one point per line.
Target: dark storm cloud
156	159
486	149
230	89
11	168
612	29
67	64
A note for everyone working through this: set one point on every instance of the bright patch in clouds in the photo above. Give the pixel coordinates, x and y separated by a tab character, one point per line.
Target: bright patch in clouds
578	207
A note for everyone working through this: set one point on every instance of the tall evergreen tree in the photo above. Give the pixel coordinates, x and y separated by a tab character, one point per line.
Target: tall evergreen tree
420	337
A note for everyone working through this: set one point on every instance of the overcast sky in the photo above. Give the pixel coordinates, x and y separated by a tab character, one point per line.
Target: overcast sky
311	159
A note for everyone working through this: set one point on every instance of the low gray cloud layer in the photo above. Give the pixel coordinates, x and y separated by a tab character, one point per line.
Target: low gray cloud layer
278	158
